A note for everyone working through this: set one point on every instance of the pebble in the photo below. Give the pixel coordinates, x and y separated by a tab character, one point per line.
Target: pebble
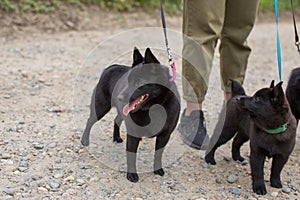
71	191
52	145
218	181
235	191
54	185
69	178
59	175
245	162
42	189
84	167
22	169
274	194
286	190
80	182
8	192
38	146
232	179
103	193
24	163
6	156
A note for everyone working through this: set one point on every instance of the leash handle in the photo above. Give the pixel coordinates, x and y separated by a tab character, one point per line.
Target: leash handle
278	40
297	43
170	56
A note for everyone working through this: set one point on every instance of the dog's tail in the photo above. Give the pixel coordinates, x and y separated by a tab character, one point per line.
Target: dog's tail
237	88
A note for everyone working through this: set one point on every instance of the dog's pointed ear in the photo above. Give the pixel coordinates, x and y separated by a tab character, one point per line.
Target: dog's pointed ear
149	57
272	84
237	88
137	57
277	94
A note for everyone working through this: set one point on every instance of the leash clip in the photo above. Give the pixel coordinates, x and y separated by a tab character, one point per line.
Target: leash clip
170	57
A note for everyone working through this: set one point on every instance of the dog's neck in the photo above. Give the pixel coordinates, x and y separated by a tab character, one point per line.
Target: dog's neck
276	131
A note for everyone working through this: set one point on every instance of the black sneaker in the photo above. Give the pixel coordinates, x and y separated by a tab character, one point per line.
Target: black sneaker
193	130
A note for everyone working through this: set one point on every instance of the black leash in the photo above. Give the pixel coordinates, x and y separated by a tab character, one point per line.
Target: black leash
170	57
297	42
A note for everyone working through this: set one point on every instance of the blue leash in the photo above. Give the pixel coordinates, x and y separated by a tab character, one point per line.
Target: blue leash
278	41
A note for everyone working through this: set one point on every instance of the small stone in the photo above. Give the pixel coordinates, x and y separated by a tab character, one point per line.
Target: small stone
227	158
274	194
205	165
59	175
245	162
54	185
9	192
232	179
218	181
84	167
48	84
80	182
71	191
82	151
103	193
22	169
6	156
235	191
69	178
52	145
42	189
286	190
38	146
24	163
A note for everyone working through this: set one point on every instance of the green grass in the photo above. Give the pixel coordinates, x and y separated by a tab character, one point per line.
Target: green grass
268	5
172	6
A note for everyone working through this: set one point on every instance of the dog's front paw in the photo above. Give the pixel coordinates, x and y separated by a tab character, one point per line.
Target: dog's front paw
276	183
118	139
133	177
259	188
210	159
159	172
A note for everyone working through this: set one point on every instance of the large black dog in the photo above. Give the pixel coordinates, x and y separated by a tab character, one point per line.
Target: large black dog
265	119
145	99
293	92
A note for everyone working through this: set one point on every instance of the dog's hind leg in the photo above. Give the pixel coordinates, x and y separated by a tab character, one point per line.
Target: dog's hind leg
226	134
97	110
238	141
161	142
116	135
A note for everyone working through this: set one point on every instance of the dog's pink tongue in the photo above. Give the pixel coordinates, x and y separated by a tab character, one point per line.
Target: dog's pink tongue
129	107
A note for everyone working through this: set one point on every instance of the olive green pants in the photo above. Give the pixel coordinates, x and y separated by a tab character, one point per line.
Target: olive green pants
204	23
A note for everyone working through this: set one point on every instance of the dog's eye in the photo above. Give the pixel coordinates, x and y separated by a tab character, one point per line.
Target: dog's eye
256	99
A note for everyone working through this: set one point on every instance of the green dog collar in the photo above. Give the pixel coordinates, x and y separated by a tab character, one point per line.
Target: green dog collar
278	130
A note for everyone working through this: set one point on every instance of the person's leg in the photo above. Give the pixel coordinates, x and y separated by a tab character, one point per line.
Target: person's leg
234	51
202	25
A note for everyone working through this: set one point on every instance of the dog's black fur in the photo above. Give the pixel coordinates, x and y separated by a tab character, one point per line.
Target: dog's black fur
247	117
136	92
293	92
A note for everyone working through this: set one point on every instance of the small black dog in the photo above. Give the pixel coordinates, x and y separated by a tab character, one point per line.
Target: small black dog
265	119
145	99
293	92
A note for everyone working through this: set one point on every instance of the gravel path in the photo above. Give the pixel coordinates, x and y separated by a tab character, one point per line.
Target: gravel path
40	153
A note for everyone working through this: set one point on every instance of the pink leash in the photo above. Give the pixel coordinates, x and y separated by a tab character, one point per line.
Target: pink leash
170	57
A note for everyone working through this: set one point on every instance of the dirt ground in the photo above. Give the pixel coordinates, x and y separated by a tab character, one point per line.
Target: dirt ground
47	76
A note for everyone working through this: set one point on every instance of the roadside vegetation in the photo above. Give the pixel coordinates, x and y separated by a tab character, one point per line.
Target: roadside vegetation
172	6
